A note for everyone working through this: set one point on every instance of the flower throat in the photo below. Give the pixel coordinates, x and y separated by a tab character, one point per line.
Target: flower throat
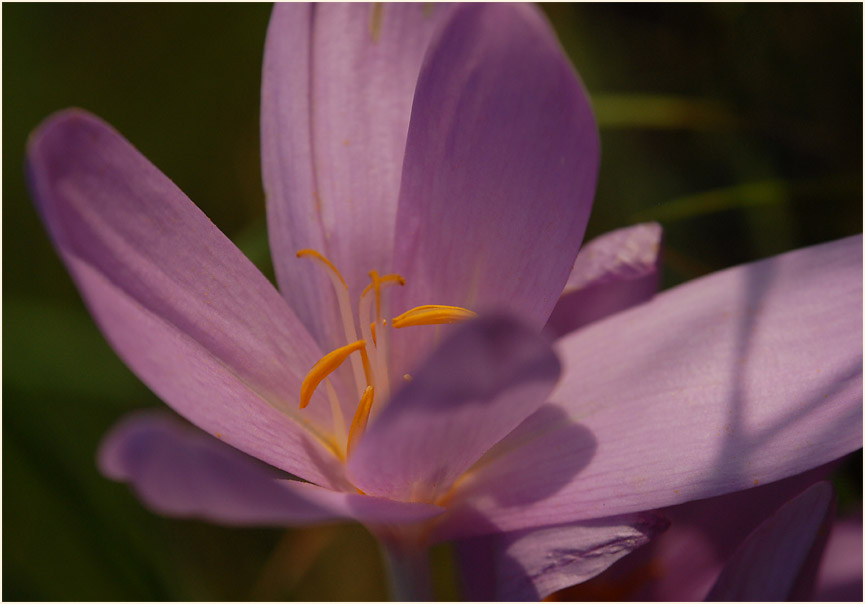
370	367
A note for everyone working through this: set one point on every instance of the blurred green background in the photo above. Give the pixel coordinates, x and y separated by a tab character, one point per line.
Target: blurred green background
738	127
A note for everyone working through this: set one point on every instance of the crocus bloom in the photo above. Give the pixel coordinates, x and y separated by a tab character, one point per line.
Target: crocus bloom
447	157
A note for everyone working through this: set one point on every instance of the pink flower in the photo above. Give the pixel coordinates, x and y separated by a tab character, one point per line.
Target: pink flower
454	149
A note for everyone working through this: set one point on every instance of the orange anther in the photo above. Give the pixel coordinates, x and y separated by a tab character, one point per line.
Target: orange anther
327	365
361	416
432	314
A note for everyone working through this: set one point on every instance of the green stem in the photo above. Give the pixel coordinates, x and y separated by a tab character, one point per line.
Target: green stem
408	573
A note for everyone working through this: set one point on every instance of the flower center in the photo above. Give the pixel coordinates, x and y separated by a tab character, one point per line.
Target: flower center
370	366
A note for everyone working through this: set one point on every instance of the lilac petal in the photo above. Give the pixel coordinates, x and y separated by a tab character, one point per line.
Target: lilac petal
531	564
337	89
179	471
771	562
737	379
474	389
189	314
840	575
613	272
500	167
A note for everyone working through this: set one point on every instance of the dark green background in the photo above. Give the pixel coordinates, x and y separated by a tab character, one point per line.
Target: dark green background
738	127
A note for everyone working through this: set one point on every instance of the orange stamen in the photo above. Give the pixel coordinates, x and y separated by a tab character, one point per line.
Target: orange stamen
432	314
361	416
340	288
377	282
371	369
379	352
367	368
317	256
327	365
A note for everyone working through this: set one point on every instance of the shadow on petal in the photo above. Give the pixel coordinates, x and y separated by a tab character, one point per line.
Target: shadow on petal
540	457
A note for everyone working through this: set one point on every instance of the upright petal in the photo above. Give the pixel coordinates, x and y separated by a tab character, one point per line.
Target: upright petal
771	563
531	564
734	380
476	387
337	89
612	272
184	308
500	167
180	471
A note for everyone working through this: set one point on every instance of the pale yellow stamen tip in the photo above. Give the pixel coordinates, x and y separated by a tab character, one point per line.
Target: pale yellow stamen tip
407	377
361	416
327	365
432	314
